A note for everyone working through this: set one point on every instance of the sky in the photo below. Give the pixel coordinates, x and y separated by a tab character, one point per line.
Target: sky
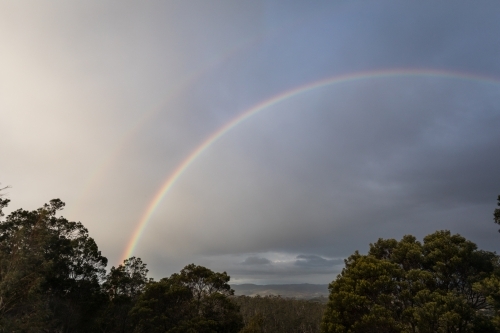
267	139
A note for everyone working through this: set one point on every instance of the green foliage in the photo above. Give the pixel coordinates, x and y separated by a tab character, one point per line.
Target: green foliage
163	307
203	282
276	314
3	202
123	285
53	279
22	269
211	308
127	280
195	300
438	286
254	325
49	265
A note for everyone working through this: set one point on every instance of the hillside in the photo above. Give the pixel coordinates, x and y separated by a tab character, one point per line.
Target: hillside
298	291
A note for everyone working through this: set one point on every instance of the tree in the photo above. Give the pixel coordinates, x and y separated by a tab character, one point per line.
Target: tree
165	306
255	324
3	202
22	267
212	311
406	286
491	285
60	263
123	285
280	315
127	280
195	300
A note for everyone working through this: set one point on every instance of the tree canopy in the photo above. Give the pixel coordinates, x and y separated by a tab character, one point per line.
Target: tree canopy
439	285
53	279
52	260
280	315
195	300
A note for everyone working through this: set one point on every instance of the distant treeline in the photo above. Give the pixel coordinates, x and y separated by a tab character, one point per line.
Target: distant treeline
53	280
298	291
280	315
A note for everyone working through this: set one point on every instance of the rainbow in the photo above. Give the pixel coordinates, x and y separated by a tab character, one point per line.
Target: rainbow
181	168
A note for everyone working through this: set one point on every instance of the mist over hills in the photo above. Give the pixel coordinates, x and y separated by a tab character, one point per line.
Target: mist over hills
298	291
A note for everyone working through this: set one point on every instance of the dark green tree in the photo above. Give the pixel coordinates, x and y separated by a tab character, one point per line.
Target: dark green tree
195	300
60	263
127	280
491	285
3	202
23	307
212	310
255	324
406	286
123	285
280	315
165	306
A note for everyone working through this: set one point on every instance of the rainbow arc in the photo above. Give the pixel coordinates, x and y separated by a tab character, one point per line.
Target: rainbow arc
239	119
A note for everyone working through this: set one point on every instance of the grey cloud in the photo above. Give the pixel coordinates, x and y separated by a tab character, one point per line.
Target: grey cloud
310	260
333	169
281	268
115	107
256	261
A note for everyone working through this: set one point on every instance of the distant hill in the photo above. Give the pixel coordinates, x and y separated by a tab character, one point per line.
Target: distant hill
298	291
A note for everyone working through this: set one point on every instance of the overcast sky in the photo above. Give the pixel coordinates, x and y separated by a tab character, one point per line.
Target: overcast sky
101	101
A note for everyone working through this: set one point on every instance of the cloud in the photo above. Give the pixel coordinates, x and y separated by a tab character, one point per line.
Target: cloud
274	267
100	115
256	261
312	260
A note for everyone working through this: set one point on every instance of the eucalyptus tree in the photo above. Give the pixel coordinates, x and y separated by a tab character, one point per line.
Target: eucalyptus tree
440	285
50	271
122	285
195	300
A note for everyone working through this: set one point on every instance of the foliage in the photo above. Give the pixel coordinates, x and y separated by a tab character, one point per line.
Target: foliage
49	258
254	324
195	300
407	286
277	314
22	268
53	279
123	285
163	307
3	202
127	280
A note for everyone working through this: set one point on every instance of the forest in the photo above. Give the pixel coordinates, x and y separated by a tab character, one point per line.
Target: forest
53	278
